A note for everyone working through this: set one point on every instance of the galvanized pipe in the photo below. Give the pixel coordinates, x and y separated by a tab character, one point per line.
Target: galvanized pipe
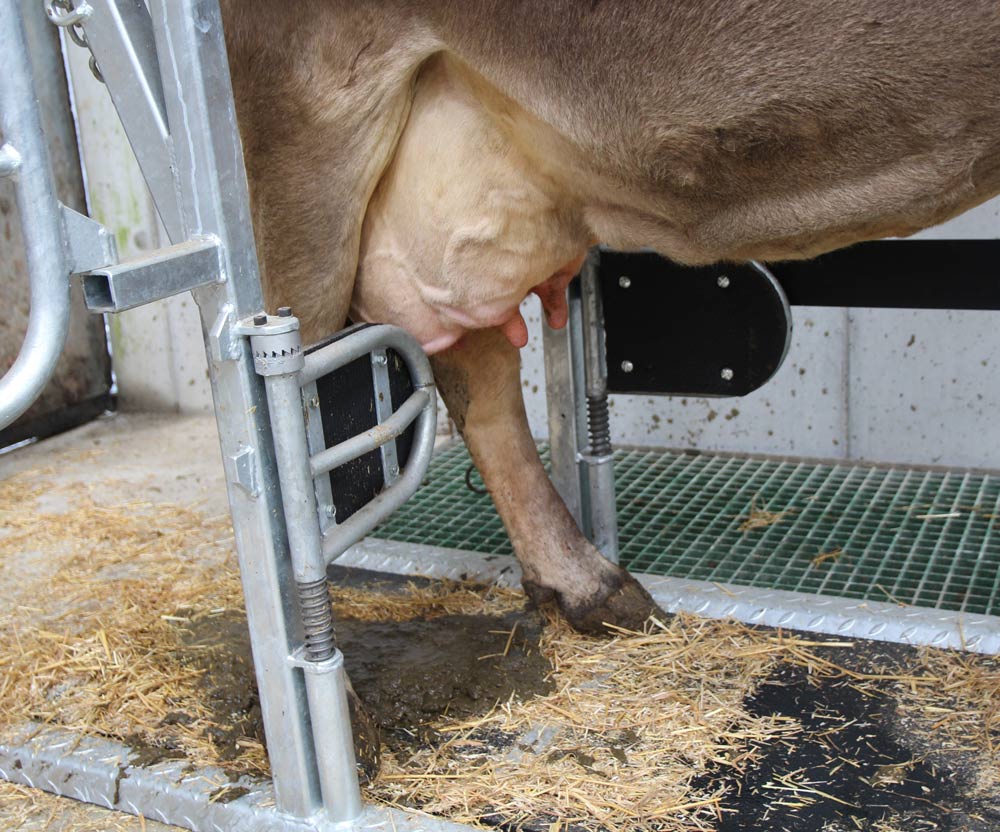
364	341
372	439
326	691
598	462
278	357
341	537
27	161
277	351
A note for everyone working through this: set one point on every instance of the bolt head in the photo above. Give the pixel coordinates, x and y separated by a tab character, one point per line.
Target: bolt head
624	281
284	311
380	359
330	511
259	320
723	281
627	366
727	374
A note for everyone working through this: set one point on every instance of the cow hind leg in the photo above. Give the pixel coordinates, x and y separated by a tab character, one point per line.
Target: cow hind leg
480	382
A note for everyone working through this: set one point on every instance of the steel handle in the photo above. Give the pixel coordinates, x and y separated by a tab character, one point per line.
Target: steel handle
41	224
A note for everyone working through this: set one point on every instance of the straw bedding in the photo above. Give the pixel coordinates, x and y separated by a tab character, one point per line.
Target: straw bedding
641	731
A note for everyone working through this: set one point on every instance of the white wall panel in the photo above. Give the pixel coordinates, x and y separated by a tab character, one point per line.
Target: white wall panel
157	350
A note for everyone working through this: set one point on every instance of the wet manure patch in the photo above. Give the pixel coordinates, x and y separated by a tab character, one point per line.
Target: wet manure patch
872	753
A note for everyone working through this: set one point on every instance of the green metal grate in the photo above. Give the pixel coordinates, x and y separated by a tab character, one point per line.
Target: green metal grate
918	537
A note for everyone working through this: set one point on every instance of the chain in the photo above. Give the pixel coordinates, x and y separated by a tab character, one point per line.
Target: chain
66	15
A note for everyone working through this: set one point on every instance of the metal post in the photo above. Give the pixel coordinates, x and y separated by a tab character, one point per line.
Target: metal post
25	157
213	198
277	351
597	469
562	416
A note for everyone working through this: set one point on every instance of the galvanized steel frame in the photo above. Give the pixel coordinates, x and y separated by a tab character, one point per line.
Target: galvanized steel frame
168	74
24	156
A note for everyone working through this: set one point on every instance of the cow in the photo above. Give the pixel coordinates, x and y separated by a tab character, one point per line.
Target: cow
429	163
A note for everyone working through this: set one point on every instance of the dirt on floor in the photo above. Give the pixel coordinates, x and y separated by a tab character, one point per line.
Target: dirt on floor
409	674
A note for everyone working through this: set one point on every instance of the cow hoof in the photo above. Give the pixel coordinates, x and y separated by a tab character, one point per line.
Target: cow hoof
623	603
367	739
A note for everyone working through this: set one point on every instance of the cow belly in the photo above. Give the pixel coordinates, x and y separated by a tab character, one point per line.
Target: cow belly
462	225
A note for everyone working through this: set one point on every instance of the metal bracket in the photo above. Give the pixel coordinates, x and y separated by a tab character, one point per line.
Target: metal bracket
89	245
222	343
241	469
10	160
167	272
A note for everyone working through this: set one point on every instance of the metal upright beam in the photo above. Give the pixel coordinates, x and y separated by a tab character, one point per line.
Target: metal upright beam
576	395
597	462
213	200
120	36
566	402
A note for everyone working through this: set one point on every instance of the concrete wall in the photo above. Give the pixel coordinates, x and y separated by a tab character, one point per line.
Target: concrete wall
887	385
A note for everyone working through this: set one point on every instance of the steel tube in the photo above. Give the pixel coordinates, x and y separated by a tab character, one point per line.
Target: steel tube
298	498
41	224
326	689
598	462
371	439
214	199
344	535
361	343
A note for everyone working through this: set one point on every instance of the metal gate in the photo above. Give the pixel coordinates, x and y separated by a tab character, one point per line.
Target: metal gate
80	386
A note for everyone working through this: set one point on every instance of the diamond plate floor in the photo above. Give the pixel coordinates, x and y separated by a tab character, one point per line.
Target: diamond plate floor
904	535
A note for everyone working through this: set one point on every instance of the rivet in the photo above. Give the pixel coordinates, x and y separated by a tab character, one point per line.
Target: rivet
727	374
723	281
380	359
624	281
627	366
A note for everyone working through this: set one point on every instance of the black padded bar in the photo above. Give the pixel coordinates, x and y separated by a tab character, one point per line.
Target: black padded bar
897	274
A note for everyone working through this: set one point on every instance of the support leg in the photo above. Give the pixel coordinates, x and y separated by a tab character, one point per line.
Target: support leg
480	382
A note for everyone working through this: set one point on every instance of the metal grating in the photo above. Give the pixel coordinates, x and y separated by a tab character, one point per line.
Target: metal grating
854	531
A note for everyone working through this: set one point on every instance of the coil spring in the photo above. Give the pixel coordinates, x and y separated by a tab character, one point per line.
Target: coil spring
599	425
317	619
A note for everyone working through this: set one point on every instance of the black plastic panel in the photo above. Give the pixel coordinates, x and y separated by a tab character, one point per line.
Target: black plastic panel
896	274
679	330
347	406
